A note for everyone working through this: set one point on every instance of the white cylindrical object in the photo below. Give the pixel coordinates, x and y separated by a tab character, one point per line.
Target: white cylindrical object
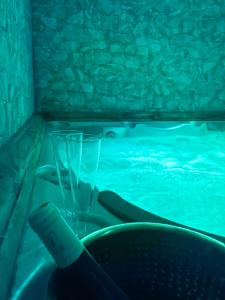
56	234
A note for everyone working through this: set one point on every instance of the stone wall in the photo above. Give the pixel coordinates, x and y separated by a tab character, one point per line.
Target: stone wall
129	56
16	74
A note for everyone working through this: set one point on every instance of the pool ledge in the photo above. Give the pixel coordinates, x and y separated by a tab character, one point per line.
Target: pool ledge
128	212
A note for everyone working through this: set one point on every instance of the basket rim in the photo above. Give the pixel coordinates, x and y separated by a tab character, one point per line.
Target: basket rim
124	227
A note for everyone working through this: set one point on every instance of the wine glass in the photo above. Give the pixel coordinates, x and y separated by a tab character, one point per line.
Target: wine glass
83	184
59	145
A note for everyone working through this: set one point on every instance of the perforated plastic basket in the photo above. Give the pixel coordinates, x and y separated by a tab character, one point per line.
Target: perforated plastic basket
153	261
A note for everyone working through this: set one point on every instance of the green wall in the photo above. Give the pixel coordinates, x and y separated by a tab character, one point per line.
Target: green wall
16	73
135	56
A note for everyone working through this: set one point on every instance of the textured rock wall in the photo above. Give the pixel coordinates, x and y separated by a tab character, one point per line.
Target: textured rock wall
123	55
16	74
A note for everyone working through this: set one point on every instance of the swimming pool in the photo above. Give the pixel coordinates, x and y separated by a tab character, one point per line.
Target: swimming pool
174	170
177	172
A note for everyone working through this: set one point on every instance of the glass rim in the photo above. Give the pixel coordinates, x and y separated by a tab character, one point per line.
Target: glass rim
65	132
86	137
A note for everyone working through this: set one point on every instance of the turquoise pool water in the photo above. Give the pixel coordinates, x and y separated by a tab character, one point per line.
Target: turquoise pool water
179	177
